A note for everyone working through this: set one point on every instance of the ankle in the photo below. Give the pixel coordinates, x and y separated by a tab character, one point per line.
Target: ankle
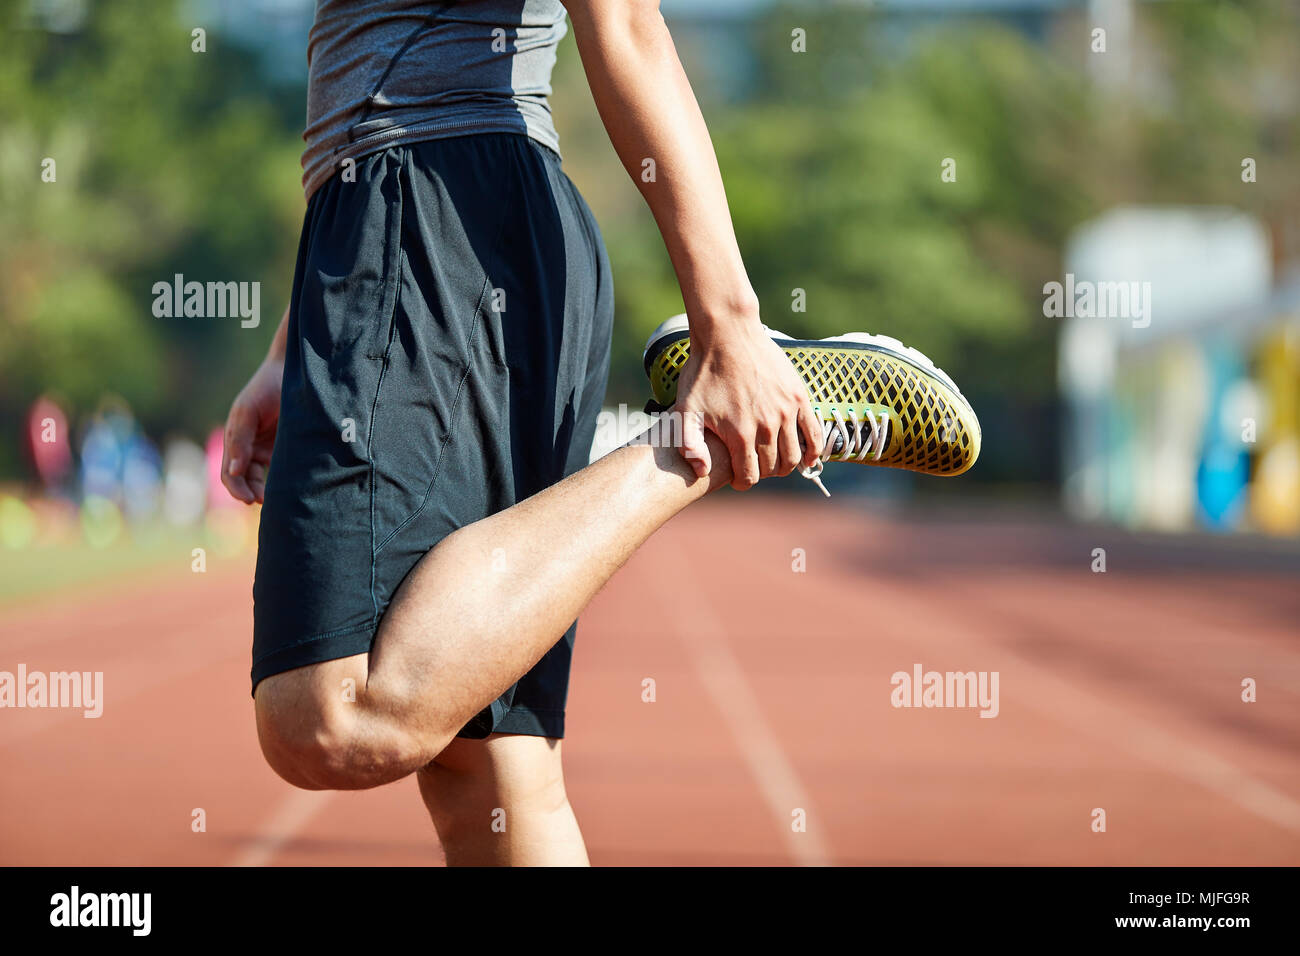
668	459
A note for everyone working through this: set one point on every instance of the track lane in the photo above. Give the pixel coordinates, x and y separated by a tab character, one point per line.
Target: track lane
1118	691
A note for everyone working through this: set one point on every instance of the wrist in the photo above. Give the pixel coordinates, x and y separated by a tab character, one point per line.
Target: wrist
720	319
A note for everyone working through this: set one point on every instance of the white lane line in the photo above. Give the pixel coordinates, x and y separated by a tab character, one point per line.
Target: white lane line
704	635
1218	776
1084	712
291	817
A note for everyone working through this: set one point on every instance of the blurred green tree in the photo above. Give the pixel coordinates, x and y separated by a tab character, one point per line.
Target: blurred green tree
833	167
166	160
175	161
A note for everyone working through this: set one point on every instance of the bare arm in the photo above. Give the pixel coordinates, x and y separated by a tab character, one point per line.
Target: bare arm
276	351
738	383
251	424
650	113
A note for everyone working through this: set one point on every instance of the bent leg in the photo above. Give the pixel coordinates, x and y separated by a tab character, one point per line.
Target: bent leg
501	802
471	618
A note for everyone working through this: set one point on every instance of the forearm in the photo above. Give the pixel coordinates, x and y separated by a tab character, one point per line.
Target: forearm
650	112
276	351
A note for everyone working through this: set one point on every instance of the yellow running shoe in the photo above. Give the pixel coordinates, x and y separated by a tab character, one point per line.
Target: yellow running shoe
880	402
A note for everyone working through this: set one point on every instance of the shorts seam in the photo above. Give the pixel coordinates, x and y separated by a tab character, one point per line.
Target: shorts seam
383	368
326	635
455	405
437	467
529	721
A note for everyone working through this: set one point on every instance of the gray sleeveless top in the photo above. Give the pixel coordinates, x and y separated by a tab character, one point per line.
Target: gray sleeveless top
386	72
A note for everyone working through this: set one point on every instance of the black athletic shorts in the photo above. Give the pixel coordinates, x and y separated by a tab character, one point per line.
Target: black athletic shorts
448	351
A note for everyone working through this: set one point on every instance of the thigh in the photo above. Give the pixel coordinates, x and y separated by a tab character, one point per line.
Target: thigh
536	367
555	343
312	593
383	354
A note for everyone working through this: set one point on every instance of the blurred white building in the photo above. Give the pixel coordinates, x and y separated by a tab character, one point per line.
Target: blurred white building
1184	412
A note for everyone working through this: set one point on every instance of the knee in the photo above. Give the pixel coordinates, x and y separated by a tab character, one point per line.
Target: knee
317	744
466	783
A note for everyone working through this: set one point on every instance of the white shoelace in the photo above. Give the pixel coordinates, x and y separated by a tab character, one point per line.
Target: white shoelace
854	445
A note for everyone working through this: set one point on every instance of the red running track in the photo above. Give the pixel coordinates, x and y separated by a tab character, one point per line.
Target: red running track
1119	691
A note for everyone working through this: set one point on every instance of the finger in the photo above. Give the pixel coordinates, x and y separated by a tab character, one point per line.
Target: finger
746	472
236	455
238	488
256	478
788	445
810	430
239	442
744	460
694	448
765	444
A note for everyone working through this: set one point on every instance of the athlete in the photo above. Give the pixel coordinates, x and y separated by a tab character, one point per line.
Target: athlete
419	431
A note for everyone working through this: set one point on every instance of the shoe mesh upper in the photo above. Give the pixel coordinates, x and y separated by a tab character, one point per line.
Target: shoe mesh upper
932	429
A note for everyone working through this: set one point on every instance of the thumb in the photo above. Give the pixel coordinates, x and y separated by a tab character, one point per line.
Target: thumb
694	448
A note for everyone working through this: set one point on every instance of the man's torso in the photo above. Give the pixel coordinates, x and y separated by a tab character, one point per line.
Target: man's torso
386	72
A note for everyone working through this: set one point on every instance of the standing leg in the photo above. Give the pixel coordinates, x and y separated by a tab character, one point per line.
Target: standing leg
501	802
